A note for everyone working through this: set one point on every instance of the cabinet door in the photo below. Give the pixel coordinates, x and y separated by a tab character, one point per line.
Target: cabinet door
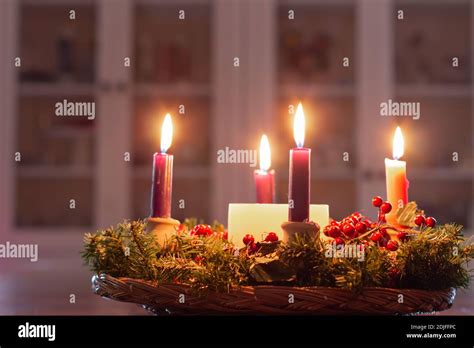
172	74
54	122
316	55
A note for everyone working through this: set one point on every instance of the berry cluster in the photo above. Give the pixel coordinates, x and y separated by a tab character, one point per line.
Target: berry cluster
253	247
421	220
202	230
384	207
352	226
357	226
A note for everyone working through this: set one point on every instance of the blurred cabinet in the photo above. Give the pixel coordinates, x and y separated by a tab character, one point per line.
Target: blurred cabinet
316	59
340	58
426	57
57	153
173	74
80	56
434	66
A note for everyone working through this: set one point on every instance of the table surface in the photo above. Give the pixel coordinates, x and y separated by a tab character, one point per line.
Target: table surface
45	288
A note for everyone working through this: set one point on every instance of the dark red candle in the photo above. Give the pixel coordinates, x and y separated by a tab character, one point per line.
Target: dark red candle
299	186
265	179
161	186
300	172
162	178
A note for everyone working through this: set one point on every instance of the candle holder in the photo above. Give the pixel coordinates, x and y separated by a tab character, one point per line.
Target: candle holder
162	228
302	229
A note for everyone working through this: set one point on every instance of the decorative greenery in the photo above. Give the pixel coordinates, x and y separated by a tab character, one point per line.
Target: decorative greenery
435	259
127	251
431	259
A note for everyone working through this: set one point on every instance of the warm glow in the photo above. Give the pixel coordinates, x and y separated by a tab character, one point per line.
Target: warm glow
398	144
166	133
265	154
299	126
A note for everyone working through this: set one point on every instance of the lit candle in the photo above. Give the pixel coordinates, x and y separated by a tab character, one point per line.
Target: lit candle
162	178
396	177
299	178
265	179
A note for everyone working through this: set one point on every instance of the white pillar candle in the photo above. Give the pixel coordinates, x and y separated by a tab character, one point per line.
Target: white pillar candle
259	219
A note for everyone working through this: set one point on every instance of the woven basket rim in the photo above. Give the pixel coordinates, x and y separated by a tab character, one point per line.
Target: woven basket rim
270	299
263	286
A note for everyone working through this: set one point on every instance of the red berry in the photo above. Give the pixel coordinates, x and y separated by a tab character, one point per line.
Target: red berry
225	235
334	232
376	236
357	215
386	208
353	220
198	259
271	237
361	227
402	236
349	230
381	217
325	230
377	201
248	239
430	221
334	223
392	245
382	243
419	220
339	241
201	230
384	232
253	248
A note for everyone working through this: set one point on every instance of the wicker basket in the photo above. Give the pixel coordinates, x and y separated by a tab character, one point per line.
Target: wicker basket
270	300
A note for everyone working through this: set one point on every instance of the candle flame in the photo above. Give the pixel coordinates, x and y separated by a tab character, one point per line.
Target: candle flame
398	144
166	133
299	126
265	154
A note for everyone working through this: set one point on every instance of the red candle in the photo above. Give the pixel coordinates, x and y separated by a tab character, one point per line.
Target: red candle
162	178
300	169
265	179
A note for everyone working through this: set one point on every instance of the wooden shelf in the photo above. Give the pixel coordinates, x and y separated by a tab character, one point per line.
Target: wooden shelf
432	2
311	90
69	132
58	2
50	171
325	174
316	2
172	2
451	174
177	89
183	172
434	90
55	89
